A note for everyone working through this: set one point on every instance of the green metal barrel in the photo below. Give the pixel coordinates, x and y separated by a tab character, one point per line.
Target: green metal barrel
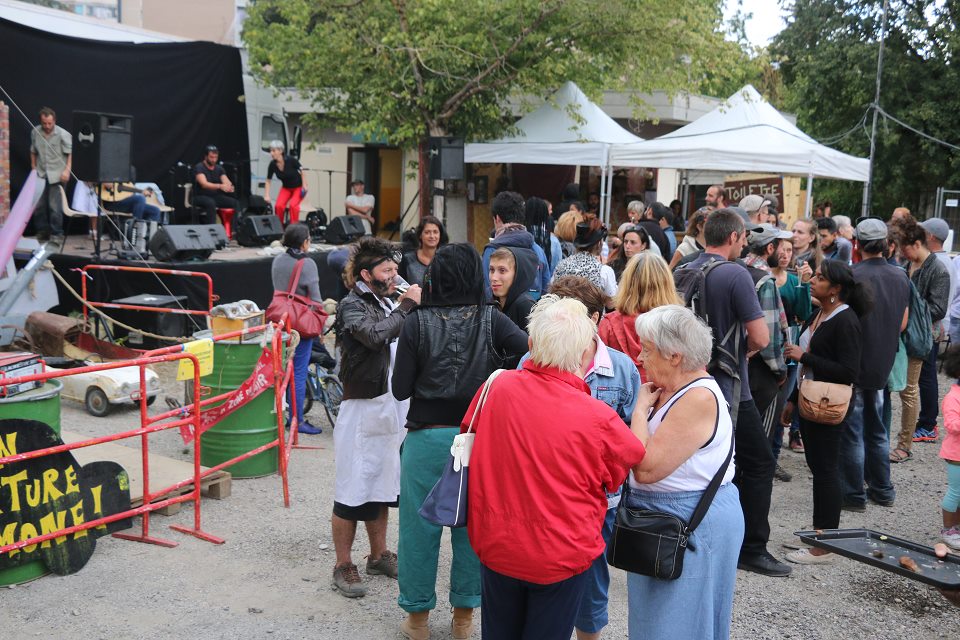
252	425
42	404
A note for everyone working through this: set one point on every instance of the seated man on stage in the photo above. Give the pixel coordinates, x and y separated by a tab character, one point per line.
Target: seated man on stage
361	204
212	185
136	204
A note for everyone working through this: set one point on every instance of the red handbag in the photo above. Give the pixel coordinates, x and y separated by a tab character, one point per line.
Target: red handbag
306	316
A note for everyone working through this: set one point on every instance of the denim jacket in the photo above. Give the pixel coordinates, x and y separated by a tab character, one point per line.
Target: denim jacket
615	381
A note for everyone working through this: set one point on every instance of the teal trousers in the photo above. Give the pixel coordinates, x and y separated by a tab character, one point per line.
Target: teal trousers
425	453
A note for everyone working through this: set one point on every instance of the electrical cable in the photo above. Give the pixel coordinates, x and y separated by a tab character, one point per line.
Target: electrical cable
916	131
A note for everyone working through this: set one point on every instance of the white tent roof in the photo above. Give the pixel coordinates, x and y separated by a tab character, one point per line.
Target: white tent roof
553	134
743	134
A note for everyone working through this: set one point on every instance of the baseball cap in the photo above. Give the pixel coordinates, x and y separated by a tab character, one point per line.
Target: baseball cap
753	203
871	229
766	234
937	227
748	224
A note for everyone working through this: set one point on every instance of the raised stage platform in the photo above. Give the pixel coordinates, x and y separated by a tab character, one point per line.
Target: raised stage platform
238	273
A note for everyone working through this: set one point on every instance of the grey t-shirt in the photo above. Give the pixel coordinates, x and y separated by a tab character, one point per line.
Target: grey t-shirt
282	270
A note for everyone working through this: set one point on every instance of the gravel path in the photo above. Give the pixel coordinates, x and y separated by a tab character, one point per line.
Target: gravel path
271	578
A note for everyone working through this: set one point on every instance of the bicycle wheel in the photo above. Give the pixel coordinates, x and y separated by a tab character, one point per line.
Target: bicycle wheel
333	392
310	389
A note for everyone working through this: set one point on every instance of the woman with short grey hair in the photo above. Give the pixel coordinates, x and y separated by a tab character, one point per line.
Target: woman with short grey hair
288	170
684	423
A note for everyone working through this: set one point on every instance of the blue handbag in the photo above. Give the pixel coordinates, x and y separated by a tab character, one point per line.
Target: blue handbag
446	504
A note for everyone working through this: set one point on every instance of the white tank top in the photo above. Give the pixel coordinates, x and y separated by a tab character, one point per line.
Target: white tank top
698	470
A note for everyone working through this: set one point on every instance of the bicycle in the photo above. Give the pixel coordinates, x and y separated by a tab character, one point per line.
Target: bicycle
323	386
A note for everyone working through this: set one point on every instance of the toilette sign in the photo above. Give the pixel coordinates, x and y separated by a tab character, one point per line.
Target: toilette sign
50	493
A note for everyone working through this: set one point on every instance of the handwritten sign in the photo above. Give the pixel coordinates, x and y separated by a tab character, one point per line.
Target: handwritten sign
44	495
737	190
203	349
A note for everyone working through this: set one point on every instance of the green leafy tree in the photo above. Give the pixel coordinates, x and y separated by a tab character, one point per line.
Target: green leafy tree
828	60
402	69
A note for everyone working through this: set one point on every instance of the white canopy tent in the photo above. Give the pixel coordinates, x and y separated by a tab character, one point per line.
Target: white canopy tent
571	130
744	134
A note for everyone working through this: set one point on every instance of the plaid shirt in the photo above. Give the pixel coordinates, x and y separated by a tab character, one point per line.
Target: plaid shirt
773	315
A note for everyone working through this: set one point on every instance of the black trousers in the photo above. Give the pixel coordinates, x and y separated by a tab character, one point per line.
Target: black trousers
513	609
212	201
821	445
754	477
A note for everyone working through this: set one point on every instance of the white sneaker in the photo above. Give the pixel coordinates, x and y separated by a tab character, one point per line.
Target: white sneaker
803	556
951	537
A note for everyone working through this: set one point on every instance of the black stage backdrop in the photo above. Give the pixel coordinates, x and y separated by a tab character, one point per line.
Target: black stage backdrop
181	95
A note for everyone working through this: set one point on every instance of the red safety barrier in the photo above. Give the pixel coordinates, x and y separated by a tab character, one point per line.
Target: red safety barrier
85	275
189	415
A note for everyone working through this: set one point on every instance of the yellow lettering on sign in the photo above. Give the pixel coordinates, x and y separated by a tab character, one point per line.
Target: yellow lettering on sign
8	447
203	349
31	492
77	512
97	505
50	523
13	482
50	490
71	476
27	531
6	537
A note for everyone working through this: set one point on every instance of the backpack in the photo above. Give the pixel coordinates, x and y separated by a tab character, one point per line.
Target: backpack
918	336
725	358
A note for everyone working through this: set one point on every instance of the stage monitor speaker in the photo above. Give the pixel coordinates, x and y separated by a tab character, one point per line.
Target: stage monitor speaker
101	146
179	243
343	229
446	158
259	231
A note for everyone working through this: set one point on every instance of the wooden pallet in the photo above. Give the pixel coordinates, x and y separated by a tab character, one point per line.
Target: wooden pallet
164	472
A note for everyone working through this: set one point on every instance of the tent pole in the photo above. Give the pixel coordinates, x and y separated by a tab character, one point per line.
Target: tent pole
603	190
809	205
609	190
684	194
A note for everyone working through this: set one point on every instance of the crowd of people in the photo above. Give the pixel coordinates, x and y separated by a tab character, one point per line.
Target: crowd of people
634	367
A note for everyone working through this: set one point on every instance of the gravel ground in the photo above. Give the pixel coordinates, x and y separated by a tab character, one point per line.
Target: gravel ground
271	577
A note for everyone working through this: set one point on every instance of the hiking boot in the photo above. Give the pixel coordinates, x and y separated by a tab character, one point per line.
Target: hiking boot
415	627
796	442
461	626
782	475
951	537
346	580
925	435
385	565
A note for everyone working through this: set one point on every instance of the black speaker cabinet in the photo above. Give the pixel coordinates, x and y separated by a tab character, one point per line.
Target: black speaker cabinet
259	231
179	243
101	146
343	229
173	325
446	158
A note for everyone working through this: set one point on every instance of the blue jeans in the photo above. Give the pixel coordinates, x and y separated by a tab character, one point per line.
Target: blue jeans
698	604
593	608
865	450
929	391
301	362
137	205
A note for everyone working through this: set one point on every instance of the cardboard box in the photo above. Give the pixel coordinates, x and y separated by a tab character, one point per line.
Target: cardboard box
221	325
14	365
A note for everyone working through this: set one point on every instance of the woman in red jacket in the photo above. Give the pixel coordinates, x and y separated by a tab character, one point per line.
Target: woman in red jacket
646	284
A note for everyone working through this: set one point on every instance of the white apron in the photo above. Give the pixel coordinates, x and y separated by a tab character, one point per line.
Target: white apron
366	443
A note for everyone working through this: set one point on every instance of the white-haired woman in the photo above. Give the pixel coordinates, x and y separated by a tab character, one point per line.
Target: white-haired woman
288	170
682	419
544	456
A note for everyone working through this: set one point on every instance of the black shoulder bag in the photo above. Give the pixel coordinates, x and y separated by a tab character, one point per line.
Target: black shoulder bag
652	543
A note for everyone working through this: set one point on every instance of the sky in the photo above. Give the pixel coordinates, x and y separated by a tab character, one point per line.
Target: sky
766	22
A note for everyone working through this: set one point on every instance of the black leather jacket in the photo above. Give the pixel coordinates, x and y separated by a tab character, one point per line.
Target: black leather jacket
364	333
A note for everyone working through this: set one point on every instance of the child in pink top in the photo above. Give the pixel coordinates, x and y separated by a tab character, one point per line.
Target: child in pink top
950	451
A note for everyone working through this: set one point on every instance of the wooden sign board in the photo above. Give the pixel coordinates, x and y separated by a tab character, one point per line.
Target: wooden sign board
740	189
46	494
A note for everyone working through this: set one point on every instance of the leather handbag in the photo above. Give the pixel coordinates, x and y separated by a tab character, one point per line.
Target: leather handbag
446	504
306	316
652	543
823	402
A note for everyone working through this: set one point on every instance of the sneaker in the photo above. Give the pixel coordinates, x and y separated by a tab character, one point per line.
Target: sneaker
782	475
796	442
346	580
951	537
925	435
385	565
803	556
307	428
